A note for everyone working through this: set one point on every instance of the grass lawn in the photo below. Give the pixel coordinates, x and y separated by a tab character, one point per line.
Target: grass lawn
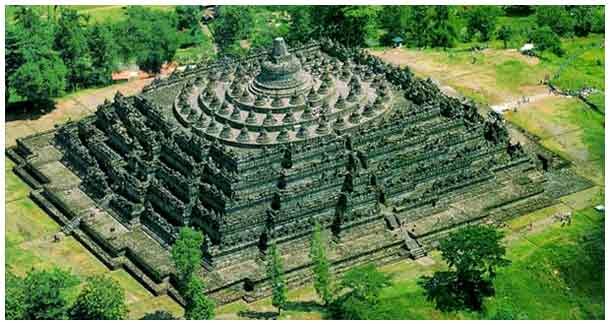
569	128
97	13
582	65
555	273
111	13
28	244
489	77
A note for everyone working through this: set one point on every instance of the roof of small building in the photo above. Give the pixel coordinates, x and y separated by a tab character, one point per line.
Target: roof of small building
527	47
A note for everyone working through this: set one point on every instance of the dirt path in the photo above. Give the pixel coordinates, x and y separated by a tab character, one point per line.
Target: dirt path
522	102
475	74
72	107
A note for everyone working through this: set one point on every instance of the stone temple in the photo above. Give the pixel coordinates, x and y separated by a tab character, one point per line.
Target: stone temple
259	149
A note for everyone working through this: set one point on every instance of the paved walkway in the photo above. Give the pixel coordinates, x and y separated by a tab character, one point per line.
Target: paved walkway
71	107
516	104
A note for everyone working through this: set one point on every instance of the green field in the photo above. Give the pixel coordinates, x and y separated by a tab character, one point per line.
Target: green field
29	244
556	273
96	13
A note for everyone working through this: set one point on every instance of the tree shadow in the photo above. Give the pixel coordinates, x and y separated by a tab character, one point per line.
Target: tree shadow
27	110
251	314
158	315
304	306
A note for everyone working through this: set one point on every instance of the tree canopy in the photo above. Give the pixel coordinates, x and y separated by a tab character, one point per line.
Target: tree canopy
481	21
71	44
34	70
14	305
545	38
198	305
363	286
321	265
420	26
149	36
104	54
46	294
275	272
505	33
188	16
234	23
557	18
473	254
101	298
474	248
186	253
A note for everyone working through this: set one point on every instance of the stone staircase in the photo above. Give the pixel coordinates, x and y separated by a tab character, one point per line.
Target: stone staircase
414	249
71	225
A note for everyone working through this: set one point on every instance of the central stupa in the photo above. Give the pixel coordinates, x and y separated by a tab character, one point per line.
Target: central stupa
281	74
281	97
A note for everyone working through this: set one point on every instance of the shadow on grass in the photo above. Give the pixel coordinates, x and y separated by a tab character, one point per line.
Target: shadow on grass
304	306
298	306
26	110
251	314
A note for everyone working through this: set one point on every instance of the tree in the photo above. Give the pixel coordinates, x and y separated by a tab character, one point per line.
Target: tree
518	10
505	33
351	25
473	255
71	44
420	26
148	36
587	19
233	24
34	70
598	20
188	16
41	76
482	20
545	39
46	293
275	273
186	254
27	17
198	305
321	266
302	26
13	56
441	31
359	24
557	18
417	31
475	249
395	20
363	286
104	54
365	283
101	298
14	305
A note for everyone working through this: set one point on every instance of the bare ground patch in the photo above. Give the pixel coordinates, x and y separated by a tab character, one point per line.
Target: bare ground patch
474	74
72	107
